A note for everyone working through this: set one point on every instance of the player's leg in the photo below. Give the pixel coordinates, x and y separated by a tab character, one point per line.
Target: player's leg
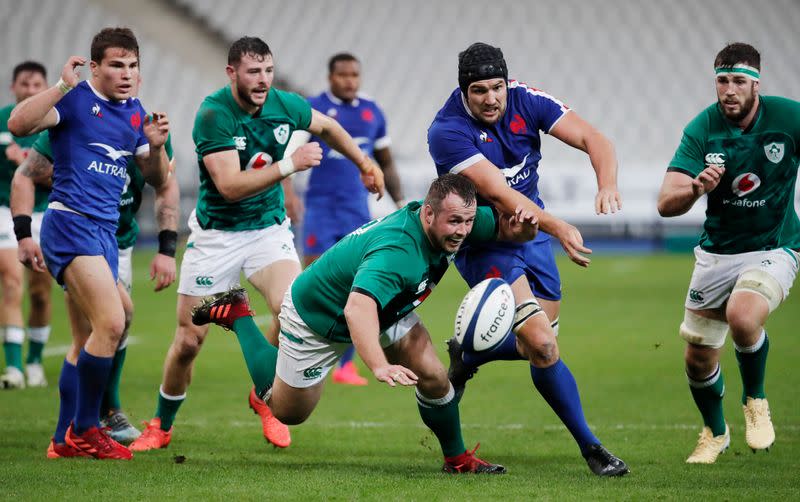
68	382
411	346
40	286
11	275
758	291
176	378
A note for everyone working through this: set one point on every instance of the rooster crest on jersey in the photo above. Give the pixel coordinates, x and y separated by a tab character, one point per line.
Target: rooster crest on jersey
485	316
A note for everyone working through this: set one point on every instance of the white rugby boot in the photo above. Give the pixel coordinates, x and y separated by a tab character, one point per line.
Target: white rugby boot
34	374
12	378
709	446
759	432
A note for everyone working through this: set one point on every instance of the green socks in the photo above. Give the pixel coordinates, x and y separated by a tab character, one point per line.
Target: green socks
441	416
111	397
260	356
752	367
12	346
707	396
37	338
167	408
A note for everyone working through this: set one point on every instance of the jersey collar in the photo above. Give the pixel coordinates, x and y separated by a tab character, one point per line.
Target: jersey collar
100	95
333	99
466	107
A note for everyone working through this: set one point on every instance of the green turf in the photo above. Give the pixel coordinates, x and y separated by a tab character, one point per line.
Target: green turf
618	335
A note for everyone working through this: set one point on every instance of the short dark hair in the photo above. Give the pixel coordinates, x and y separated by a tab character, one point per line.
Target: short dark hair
340	57
31	66
738	52
449	183
252	46
113	38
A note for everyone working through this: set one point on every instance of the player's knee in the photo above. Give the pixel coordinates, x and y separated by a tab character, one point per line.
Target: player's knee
700	361
186	347
702	331
40	298
12	289
742	321
761	283
433	383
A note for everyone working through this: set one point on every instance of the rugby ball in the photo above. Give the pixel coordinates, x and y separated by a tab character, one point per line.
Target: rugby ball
485	316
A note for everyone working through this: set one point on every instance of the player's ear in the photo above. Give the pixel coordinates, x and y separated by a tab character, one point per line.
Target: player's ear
231	72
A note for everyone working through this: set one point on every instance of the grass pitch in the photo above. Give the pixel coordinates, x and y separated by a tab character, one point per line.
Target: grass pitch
618	335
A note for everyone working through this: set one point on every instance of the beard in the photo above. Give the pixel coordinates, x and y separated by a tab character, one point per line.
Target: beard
245	95
746	108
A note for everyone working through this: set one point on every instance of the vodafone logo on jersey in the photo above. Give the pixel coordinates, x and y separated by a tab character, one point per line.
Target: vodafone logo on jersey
745	183
259	161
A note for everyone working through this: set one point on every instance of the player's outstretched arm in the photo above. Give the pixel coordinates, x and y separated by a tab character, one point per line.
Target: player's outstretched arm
679	191
492	186
391	178
167	203
578	133
361	314
36	169
37	113
340	140
234	184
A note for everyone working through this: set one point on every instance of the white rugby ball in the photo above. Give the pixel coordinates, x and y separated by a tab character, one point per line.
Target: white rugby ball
485	316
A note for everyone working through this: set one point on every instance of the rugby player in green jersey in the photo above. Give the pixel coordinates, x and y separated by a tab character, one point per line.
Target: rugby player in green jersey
38	166
363	292
742	153
239	225
29	78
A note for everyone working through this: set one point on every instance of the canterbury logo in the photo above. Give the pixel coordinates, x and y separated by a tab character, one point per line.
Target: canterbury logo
715	159
312	372
204	280
112	153
695	296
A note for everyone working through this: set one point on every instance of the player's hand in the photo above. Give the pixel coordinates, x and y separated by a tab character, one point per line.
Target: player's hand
156	129
572	242
608	200
16	153
162	270
522	226
70	74
30	254
394	374
307	156
707	180
372	176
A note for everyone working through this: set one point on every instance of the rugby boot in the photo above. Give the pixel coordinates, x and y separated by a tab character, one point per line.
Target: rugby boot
709	447
153	437
63	450
34	374
119	428
275	431
96	443
458	372
468	463
759	432
12	378
603	463
223	309
348	375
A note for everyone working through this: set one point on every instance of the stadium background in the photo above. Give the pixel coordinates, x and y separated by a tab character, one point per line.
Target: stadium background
638	70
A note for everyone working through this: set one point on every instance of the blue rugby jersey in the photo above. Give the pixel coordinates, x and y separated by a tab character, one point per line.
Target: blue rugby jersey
456	140
92	143
336	179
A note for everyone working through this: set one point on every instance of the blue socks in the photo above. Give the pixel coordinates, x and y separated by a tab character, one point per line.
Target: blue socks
68	393
557	385
93	375
347	356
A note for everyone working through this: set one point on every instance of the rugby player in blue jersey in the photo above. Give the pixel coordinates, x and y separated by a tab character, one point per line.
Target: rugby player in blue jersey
336	200
95	126
489	131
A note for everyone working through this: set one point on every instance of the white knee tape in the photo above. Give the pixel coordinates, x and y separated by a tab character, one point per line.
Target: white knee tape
701	331
525	311
761	283
14	334
554	325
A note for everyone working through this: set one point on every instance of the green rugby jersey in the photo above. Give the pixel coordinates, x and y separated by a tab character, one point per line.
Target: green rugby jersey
259	139
131	198
389	259
752	208
7	167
